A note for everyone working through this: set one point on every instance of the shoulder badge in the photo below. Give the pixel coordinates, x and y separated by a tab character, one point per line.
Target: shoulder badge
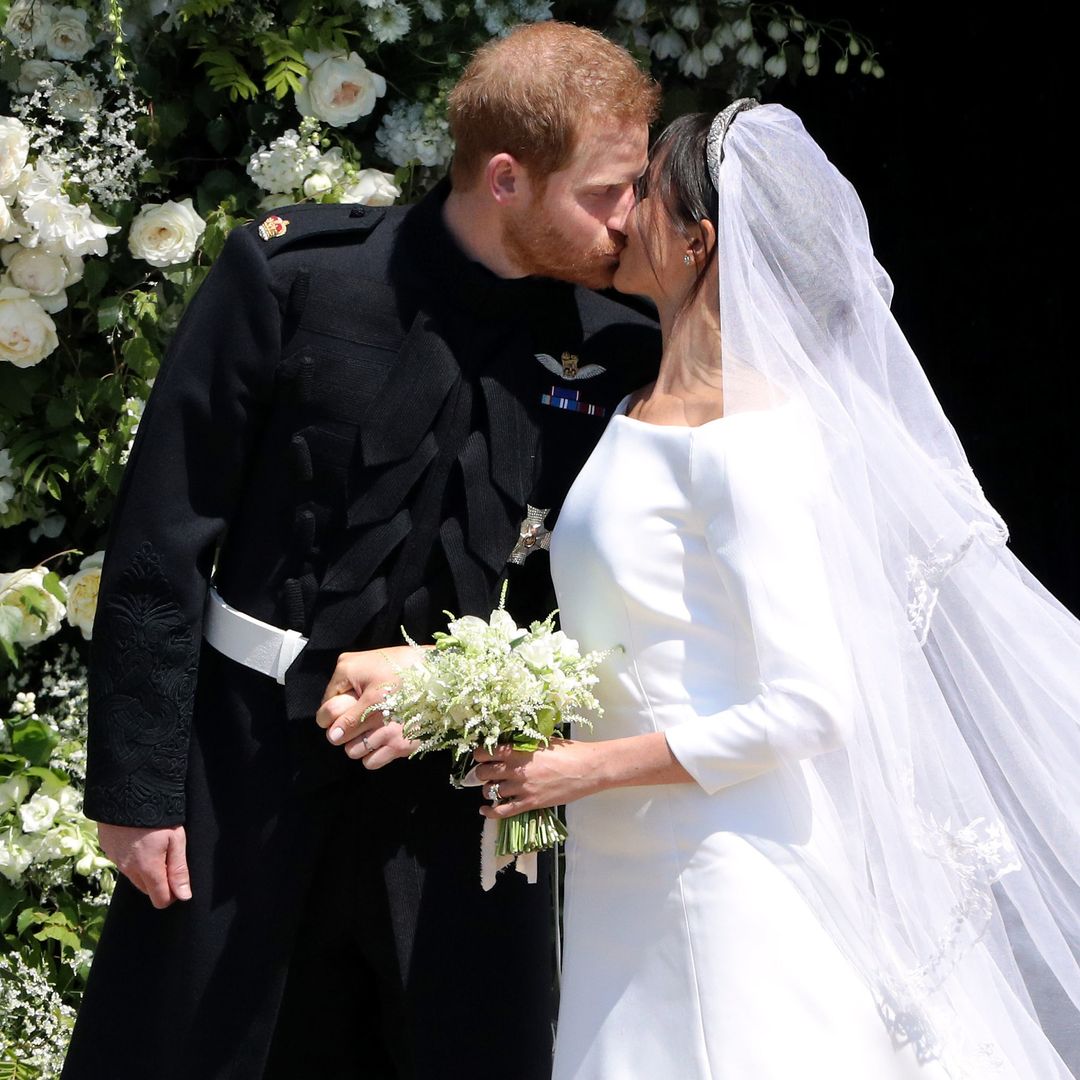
273	226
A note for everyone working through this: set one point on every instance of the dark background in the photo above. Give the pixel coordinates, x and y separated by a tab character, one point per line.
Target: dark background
959	156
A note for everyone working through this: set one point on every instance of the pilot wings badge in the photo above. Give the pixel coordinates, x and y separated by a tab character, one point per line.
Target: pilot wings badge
570	367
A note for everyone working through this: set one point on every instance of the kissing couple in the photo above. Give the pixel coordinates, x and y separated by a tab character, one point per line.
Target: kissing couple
662	390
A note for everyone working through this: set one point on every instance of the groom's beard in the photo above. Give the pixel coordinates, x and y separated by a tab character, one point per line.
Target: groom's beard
538	247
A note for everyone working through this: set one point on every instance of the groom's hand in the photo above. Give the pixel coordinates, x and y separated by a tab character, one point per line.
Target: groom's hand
153	860
360	681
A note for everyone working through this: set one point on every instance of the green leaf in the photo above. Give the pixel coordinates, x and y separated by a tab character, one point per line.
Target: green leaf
60	412
108	313
51	581
216	185
219	133
10	899
34	740
95	275
139	355
29	917
226	73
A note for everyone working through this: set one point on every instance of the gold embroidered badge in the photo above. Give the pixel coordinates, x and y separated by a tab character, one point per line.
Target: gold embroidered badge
569	365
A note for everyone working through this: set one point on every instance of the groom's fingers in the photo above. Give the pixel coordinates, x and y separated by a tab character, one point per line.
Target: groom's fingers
355	718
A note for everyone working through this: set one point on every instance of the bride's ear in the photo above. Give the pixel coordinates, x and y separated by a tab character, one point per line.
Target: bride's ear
705	241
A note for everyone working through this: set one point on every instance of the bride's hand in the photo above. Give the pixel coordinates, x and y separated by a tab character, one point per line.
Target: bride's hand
563	771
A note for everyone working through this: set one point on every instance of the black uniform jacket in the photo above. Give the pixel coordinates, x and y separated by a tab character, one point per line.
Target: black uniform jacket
345	435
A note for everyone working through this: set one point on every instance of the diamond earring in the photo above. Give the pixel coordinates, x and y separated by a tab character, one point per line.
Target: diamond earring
686	259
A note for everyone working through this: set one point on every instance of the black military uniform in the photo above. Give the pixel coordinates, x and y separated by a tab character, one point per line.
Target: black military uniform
353	417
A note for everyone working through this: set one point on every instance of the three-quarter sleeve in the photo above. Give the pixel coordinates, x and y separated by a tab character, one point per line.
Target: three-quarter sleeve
758	488
178	491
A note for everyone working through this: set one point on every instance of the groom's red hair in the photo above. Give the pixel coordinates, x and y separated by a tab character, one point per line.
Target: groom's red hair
530	93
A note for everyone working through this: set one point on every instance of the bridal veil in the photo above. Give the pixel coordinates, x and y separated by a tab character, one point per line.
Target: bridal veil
946	825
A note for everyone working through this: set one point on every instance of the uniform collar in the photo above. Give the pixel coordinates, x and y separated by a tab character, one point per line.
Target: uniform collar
437	257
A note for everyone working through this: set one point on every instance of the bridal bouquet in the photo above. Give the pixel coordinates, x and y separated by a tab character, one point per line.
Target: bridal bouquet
489	684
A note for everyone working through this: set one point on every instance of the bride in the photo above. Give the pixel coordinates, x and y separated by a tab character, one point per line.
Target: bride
841	740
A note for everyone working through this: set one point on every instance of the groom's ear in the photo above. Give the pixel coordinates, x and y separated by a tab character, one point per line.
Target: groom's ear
503	177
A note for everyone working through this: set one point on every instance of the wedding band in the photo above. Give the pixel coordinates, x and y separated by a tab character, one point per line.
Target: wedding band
493	793
363	739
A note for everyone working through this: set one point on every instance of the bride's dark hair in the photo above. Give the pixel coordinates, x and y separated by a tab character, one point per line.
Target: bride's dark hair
678	179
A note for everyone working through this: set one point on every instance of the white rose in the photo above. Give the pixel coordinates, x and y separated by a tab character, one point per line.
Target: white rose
82	593
9	227
166	234
15	857
75	97
67	38
503	622
318	183
372	187
537	654
37	271
42	180
59	222
63	842
14	146
39	625
90	862
340	88
34	72
28	22
12	792
38	813
27	333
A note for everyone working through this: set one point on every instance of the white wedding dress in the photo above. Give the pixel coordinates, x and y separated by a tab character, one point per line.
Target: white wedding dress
688	953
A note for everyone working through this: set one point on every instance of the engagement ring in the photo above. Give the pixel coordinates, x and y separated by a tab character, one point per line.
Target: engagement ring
493	793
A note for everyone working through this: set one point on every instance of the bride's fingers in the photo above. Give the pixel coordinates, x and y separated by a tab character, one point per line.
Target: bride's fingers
387	745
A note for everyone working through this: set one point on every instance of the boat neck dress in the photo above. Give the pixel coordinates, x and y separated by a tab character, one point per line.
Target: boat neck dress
689	954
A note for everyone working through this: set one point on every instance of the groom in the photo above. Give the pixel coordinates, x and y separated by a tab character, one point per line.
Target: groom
366	416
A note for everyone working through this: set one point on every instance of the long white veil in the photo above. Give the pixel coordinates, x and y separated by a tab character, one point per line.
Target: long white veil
955	799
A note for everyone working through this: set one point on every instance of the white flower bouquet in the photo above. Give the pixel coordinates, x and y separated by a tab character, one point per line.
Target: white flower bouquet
493	683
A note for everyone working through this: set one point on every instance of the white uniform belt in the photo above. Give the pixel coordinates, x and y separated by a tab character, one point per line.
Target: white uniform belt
250	641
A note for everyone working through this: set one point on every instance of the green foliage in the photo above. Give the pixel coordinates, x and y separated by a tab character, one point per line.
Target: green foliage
227	73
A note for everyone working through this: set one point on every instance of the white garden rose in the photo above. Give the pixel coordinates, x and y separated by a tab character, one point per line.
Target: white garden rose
42	180
340	88
82	593
275	200
67	37
36	625
15	856
61	223
27	333
373	188
13	792
36	270
34	72
38	813
166	234
14	146
51	525
27	24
